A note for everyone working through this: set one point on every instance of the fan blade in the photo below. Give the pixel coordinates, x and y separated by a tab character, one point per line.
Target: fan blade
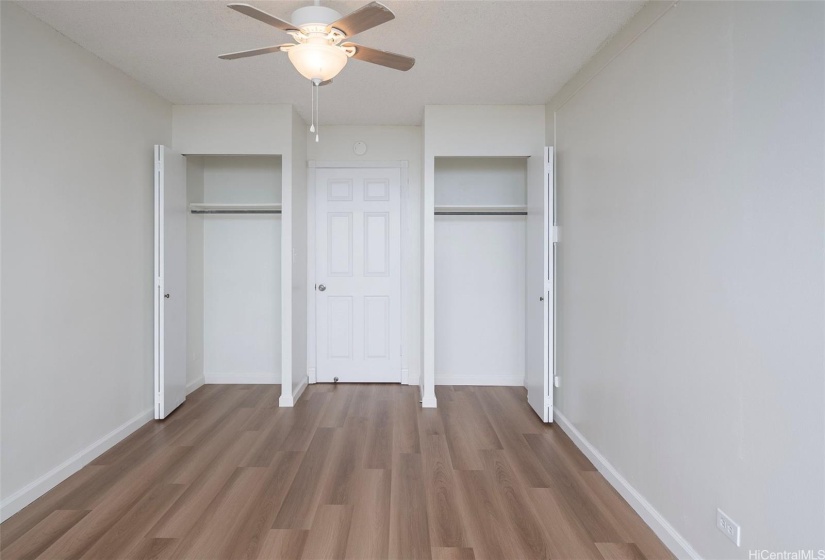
362	19
384	58
260	15
253	52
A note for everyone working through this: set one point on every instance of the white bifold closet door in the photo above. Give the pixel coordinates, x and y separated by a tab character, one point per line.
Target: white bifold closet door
170	281
540	292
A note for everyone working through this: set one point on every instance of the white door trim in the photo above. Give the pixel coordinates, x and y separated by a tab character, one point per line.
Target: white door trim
312	165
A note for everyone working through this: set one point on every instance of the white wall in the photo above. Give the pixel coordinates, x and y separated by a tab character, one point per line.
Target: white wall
77	250
475	131
242	303
384	143
233	129
480	181
241	276
480	264
690	293
242	179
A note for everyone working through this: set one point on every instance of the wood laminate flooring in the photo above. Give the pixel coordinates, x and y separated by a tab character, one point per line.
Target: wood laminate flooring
353	471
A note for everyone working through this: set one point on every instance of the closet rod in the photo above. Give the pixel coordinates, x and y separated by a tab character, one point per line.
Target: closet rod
520	213
234	211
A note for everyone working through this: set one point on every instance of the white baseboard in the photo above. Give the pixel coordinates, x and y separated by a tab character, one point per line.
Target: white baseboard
195	385
663	529
67	468
499	380
264	378
296	394
405	376
288	401
427	402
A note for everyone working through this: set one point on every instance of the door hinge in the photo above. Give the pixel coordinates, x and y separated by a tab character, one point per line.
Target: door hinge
554	234
548	401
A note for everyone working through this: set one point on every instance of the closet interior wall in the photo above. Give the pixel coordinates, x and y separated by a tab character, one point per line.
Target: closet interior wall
234	271
480	270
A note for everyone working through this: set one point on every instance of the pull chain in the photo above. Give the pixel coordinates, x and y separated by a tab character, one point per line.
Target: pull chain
317	107
312	103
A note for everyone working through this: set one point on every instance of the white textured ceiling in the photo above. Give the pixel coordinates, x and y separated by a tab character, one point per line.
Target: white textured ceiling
467	52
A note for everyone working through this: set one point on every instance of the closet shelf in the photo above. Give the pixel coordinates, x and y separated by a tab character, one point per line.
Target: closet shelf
467	210
206	208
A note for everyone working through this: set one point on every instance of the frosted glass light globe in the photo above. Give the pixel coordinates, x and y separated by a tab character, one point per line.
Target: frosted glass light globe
320	61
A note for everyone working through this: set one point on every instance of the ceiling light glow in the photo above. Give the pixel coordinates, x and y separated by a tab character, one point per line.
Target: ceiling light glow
318	60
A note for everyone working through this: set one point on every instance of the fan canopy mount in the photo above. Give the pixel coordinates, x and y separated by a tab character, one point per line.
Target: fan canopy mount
311	16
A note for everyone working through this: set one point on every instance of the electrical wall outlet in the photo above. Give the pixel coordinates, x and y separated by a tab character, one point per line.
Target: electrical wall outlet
729	527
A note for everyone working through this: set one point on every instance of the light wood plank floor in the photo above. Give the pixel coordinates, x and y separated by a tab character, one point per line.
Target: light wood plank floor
353	471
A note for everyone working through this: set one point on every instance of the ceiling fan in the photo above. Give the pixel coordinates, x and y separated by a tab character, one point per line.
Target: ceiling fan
320	52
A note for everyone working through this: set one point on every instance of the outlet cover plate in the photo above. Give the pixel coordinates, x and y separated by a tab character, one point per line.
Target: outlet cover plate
729	527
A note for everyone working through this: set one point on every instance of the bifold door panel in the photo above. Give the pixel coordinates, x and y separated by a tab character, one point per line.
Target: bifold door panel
540	292
170	281
358	274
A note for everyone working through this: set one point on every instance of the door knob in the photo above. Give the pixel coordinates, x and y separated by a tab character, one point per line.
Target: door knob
321	287
166	296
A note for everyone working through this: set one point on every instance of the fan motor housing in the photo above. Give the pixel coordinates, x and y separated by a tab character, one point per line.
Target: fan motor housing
314	14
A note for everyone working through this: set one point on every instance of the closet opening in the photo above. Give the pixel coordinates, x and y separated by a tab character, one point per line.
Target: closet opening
480	270
234	268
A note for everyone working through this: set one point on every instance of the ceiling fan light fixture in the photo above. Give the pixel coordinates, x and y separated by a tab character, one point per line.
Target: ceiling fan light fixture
318	61
319	52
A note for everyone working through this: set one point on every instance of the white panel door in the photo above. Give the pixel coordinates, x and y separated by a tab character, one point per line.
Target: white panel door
170	281
358	274
540	292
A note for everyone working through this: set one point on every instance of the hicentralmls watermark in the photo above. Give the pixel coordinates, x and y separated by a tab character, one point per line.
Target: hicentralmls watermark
786	555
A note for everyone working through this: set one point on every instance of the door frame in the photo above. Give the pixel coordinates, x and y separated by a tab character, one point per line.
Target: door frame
313	165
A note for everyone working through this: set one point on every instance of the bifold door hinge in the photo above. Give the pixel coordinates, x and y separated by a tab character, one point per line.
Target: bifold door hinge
554	234
548	401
